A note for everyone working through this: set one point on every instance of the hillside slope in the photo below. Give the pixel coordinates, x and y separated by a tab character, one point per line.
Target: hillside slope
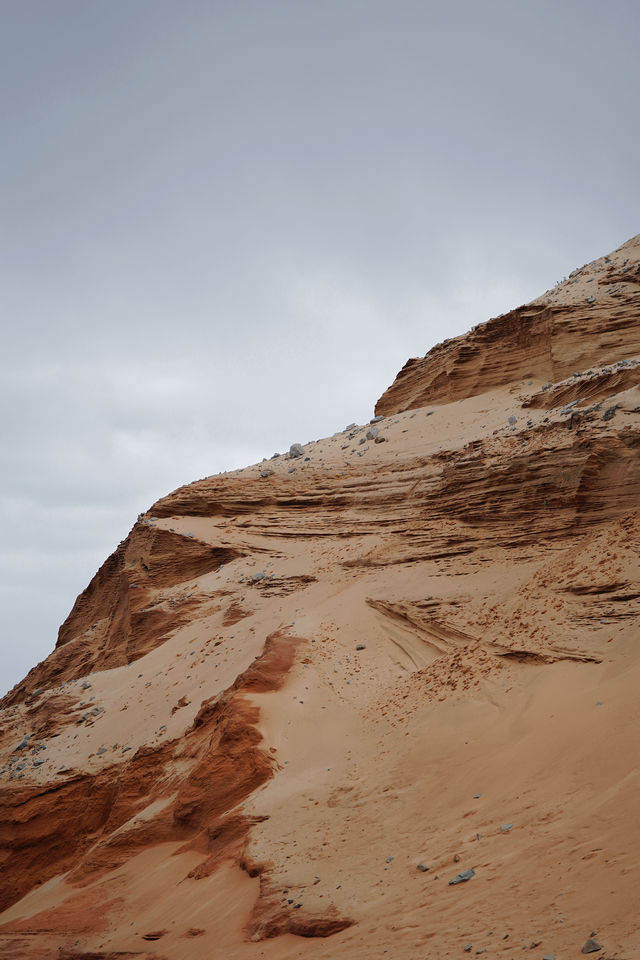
301	698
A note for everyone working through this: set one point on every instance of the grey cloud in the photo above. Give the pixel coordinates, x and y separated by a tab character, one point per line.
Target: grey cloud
225	227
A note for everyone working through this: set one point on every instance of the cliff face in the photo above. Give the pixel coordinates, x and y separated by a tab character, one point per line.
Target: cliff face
589	320
301	698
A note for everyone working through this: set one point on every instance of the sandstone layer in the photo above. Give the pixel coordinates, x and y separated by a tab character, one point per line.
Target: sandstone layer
301	698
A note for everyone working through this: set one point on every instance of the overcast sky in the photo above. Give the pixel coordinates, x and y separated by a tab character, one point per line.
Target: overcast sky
226	225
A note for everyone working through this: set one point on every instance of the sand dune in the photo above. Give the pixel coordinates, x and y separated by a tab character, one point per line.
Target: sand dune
302	698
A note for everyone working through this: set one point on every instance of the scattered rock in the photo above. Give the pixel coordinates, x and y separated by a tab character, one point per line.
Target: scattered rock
467	947
610	413
25	742
256	577
462	877
591	946
85	686
381	439
292	470
296	450
361	646
512	420
371	433
506	827
422	867
376	419
266	473
350	426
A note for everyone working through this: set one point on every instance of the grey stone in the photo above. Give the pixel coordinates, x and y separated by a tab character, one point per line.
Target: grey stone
361	646
422	867
371	433
25	742
350	426
546	386
266	473
467	947
506	827
85	686
376	419
101	750
549	956
38	763
609	413
591	946
291	470
258	576
296	450
590	299
512	420
462	877
389	859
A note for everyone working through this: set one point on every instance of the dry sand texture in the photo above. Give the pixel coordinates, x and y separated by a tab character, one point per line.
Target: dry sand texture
301	698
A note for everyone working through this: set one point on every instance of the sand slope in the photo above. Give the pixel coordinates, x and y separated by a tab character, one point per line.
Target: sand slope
301	698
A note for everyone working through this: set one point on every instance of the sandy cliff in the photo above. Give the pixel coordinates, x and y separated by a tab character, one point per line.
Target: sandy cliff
300	699
589	320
